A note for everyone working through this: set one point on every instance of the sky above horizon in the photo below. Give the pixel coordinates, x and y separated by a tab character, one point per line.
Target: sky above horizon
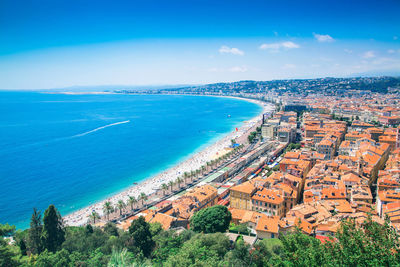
53	44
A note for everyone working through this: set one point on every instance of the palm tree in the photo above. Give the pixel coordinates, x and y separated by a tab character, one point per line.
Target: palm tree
208	164
185	176
197	172
143	197
193	173
179	181
203	168
121	205
224	157
171	184
132	200
108	208
94	216
164	187
233	141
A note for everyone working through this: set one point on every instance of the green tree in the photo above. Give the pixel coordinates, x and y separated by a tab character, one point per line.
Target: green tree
168	243
240	255
155	228
6	230
171	184
143	197
302	250
88	229
131	201
111	229
203	169
233	141
368	244
94	216
251	137
59	259
108	208
141	235
266	252
22	246
211	220
201	250
80	240
121	205
164	188
124	258
179	181
53	234
6	252
186	175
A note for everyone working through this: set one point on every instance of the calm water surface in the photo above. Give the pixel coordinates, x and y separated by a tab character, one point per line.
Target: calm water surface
74	150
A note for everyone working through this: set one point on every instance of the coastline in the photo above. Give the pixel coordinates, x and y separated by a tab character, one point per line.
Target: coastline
191	162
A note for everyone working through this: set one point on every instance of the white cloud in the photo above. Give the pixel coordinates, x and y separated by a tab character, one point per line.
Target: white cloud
348	51
230	50
369	54
323	38
392	51
277	46
238	69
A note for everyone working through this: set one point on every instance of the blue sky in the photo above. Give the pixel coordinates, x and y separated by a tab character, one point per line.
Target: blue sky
52	44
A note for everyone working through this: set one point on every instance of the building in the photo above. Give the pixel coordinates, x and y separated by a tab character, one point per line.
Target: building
286	135
398	138
240	196
268	227
268	201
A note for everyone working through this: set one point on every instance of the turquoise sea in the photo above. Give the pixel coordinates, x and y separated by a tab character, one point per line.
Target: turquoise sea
74	150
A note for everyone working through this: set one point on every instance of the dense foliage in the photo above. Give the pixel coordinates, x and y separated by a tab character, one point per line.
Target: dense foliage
211	220
369	244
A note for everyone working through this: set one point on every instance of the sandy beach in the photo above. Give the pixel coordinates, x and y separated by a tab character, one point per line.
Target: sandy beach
193	162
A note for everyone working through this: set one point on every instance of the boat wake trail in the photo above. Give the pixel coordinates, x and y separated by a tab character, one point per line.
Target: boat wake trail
100	128
47	142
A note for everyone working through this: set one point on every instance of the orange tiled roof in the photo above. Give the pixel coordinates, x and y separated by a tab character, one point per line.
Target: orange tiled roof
246	187
268	195
163	219
268	224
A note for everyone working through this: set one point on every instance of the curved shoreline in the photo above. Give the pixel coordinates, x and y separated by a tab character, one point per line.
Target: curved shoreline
193	161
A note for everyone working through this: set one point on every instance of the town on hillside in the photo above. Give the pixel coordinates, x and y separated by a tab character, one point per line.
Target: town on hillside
329	151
